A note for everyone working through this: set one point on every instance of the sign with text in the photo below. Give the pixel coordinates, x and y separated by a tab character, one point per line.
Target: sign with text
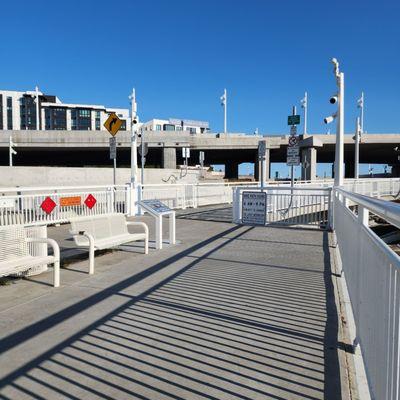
113	148
293	120
254	208
70	201
155	206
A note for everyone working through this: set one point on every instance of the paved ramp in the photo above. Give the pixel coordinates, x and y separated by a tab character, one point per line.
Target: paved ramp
232	313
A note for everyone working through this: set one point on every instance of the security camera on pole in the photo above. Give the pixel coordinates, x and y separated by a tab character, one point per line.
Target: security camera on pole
338	99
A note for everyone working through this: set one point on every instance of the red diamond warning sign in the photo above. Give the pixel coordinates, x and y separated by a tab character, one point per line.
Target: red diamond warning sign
48	205
90	201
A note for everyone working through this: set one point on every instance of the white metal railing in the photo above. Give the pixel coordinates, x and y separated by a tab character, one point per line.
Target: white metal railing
372	275
290	206
26	205
184	195
22	204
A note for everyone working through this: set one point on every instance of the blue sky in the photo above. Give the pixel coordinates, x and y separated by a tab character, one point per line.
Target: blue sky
181	54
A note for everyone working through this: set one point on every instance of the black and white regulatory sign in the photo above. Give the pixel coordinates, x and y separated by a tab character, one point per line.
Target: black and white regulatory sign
254	208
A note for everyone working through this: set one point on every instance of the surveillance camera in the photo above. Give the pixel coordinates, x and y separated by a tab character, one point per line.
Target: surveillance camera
329	119
333	99
134	121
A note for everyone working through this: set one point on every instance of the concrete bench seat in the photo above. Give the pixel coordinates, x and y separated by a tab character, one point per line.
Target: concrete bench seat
14	252
106	231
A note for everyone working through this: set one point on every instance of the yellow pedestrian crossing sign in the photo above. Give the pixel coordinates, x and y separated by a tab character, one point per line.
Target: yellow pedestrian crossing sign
113	124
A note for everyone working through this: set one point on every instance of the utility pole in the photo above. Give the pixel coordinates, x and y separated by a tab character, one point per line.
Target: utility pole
224	99
360	105
339	149
304	105
11	151
142	155
134	121
37	109
357	148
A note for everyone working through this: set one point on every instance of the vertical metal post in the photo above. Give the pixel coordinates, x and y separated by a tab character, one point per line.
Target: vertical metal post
292	166
357	149
304	104
37	109
339	149
142	156
225	112
115	170
10	154
133	139
361	105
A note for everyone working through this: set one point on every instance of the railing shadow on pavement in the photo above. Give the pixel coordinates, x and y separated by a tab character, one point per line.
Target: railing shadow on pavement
199	333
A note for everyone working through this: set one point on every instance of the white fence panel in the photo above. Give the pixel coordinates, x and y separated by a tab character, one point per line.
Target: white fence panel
371	270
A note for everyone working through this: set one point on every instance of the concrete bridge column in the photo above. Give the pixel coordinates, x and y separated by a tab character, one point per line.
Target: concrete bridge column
169	157
232	170
309	164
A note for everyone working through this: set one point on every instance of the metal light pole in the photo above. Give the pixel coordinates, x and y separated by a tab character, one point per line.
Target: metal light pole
339	148
142	156
11	151
360	105
134	121
304	105
224	99
37	109
357	148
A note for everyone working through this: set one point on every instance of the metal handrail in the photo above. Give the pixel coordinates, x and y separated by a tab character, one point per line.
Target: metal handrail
387	210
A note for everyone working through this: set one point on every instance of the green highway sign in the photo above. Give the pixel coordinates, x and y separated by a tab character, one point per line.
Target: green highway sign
293	120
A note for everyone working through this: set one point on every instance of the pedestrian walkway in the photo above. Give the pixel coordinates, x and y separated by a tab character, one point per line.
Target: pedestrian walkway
233	312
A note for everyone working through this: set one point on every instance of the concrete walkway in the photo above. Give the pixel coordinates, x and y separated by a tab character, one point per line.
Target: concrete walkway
233	312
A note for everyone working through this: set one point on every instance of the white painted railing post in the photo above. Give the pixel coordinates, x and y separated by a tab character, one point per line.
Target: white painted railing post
363	215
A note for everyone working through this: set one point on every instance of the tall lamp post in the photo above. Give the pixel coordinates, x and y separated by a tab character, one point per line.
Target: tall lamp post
134	121
360	105
304	105
338	99
224	99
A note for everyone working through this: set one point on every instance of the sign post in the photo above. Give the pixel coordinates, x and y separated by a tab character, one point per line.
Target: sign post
113	124
293	150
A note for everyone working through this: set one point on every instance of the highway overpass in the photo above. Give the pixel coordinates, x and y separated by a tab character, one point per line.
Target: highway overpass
88	148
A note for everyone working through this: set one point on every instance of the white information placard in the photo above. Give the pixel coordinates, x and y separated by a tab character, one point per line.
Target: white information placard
254	208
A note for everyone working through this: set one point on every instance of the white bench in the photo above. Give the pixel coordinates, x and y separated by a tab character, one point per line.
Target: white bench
105	231
14	252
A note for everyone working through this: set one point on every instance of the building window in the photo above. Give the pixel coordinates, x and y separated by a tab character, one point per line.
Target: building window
158	127
191	130
178	128
81	119
9	113
169	127
97	120
28	112
123	125
56	118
